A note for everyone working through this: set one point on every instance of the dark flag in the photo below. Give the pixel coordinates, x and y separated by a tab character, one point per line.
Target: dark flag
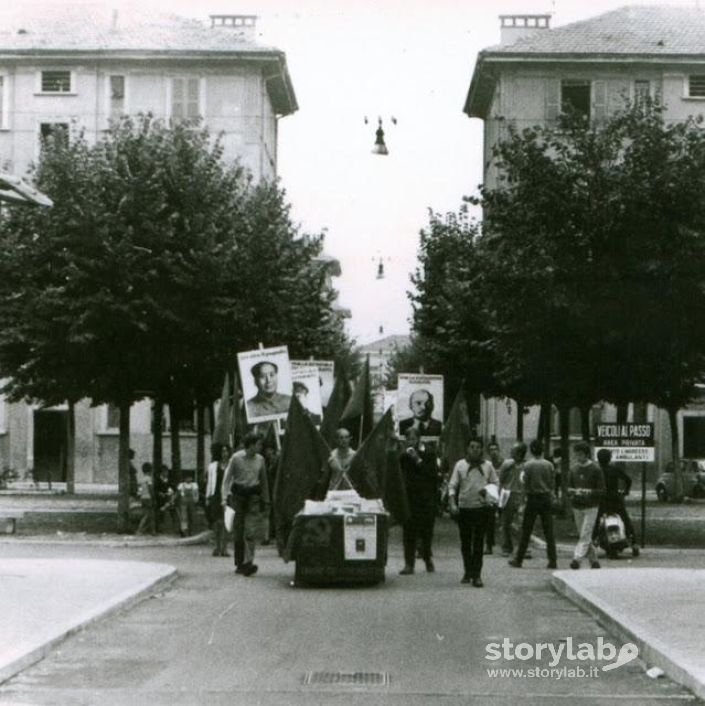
238	413
223	422
456	432
375	471
336	404
357	415
303	469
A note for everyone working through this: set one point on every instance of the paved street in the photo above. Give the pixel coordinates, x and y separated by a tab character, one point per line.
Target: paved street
217	638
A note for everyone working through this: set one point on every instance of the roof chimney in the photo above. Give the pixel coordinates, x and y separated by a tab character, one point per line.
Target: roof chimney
245	25
515	27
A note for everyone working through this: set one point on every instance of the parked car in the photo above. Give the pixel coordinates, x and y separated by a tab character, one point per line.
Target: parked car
693	472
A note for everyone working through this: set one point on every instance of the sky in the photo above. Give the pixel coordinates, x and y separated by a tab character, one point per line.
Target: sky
351	59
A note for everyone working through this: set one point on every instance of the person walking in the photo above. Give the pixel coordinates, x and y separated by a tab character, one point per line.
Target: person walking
586	486
468	502
511	493
220	455
246	481
539	488
418	465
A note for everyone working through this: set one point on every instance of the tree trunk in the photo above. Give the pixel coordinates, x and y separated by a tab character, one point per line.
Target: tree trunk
622	413
564	429
175	443
675	455
71	450
123	513
200	443
585	423
520	420
157	436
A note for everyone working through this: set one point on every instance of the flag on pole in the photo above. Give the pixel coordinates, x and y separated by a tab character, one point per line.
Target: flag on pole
336	404
456	432
375	471
223	422
357	415
303	469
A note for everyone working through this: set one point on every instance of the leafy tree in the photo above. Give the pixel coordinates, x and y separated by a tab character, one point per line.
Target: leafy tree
150	273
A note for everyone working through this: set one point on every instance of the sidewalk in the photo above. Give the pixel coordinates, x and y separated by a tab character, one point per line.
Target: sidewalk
45	600
658	609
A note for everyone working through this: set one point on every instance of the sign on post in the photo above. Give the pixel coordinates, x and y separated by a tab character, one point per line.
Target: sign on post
629	442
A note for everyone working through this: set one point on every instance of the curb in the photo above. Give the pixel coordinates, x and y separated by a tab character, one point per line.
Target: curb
122	601
651	649
127	541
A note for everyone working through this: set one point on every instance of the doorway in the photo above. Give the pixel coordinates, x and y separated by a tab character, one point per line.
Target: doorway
50	441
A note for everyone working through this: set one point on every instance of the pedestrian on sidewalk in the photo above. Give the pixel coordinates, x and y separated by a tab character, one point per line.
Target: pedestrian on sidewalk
148	502
246	482
496	459
215	511
468	502
586	486
511	494
612	502
418	466
539	486
188	502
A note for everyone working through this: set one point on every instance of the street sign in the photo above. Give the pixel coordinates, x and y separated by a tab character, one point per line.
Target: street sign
629	442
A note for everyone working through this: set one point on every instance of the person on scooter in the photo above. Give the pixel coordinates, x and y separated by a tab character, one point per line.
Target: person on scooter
612	502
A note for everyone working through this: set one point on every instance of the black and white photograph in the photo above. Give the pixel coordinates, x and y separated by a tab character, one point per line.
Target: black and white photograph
468	237
419	404
266	381
306	388
326	375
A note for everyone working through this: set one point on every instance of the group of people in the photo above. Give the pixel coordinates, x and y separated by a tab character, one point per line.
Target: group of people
161	497
515	492
484	494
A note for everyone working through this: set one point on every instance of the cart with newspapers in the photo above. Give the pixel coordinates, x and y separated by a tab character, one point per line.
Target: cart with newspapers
340	540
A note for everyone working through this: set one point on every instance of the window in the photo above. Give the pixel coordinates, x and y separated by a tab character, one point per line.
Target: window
693	437
575	97
112	416
56	82
185	98
55	131
117	96
696	86
642	91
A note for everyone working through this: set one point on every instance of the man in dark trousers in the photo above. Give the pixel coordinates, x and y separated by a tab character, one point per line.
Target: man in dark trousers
539	484
468	502
612	502
418	466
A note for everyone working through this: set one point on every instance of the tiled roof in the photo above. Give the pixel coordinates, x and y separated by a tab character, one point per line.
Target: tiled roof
91	27
653	30
629	33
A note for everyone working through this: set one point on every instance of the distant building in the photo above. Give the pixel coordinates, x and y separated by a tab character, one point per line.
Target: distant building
79	67
537	72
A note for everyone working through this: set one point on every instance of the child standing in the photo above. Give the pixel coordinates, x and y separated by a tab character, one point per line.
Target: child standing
187	491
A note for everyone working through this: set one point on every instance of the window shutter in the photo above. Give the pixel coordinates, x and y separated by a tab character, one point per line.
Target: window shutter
599	101
553	99
192	96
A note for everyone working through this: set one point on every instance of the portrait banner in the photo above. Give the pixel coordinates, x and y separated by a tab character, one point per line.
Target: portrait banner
265	375
326	375
420	404
306	387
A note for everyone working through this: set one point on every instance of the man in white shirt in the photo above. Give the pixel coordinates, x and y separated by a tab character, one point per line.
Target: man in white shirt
468	502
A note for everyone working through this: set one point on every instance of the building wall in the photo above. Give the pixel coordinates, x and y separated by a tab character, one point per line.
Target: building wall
234	104
233	100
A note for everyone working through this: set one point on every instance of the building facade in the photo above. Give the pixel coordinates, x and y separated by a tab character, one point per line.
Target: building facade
78	68
593	66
